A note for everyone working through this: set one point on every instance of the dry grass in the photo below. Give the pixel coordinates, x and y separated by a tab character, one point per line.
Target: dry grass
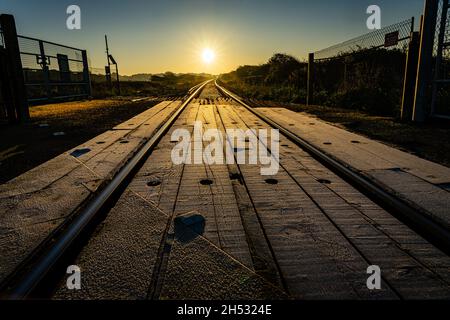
62	109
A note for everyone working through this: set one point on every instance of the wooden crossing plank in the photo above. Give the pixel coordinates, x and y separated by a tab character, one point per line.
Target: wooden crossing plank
316	234
109	160
44	175
161	170
380	238
377	235
416	180
216	202
117	262
263	261
414	190
139	119
133	230
199	256
316	261
33	205
198	270
365	151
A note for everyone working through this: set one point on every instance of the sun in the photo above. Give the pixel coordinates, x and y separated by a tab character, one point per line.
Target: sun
208	56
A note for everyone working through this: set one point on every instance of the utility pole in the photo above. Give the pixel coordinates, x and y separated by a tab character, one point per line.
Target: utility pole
310	85
108	67
110	60
118	81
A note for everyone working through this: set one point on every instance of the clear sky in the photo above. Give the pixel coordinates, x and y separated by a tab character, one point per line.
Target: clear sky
152	36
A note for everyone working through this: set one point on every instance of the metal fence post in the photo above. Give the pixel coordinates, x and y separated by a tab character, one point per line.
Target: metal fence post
424	72
45	70
19	93
439	55
310	85
8	107
86	74
409	82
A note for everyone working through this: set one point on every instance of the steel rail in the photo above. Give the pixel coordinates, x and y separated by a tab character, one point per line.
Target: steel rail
415	218
27	276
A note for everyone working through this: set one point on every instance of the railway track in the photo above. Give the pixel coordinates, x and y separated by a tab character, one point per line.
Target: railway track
413	216
308	232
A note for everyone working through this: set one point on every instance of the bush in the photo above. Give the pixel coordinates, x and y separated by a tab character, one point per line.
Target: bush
366	80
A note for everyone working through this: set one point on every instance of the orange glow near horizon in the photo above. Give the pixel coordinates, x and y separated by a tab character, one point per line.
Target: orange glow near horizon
158	36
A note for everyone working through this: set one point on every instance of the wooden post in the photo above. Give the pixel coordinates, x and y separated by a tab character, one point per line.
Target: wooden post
19	93
118	80
310	85
424	71
5	88
108	68
86	74
409	82
45	70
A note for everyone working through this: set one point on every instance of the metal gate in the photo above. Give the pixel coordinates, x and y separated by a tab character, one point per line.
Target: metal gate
53	71
440	105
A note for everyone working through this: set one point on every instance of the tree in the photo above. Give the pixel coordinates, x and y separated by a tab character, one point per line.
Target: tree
281	68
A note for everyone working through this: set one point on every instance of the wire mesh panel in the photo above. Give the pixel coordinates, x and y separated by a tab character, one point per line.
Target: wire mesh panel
53	71
2	41
98	75
441	81
365	73
373	40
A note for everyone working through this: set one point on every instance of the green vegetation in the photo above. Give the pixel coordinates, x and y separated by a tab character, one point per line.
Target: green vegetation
366	80
282	78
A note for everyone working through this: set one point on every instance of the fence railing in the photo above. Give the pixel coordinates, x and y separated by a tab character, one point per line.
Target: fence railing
393	36
366	72
53	71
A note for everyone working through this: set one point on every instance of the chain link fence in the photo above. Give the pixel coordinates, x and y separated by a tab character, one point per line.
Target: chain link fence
365	73
53	71
398	33
102	85
98	75
441	72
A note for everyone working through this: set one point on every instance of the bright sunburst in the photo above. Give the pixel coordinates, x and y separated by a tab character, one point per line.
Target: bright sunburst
208	56
206	52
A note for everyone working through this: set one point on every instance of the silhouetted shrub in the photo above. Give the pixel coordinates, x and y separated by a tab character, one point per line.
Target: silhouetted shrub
366	80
